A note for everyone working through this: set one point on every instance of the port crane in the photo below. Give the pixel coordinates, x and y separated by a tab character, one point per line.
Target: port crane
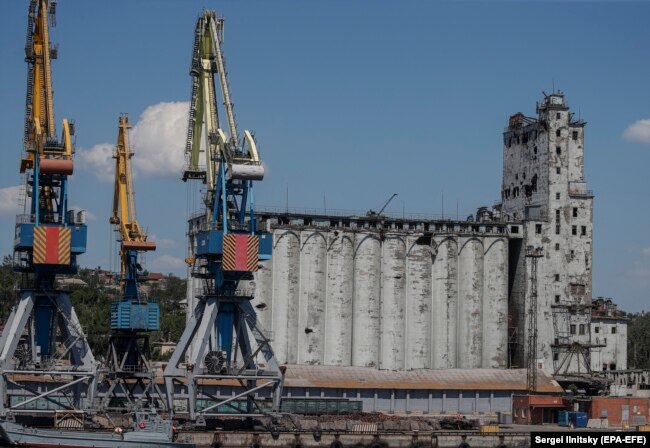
222	341
133	314
43	335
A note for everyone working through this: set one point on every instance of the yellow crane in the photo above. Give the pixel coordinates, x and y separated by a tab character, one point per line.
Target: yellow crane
133	315
132	238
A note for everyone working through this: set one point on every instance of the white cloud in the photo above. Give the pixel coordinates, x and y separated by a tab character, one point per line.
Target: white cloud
9	197
158	140
167	263
638	131
99	159
162	243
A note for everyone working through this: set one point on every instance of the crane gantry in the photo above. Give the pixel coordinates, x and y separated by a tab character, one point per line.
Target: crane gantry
222	340
43	334
133	315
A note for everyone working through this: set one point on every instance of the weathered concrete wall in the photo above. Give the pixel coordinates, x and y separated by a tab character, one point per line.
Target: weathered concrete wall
557	209
393	300
612	333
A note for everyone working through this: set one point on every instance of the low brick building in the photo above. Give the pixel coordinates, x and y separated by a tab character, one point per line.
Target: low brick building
620	410
535	409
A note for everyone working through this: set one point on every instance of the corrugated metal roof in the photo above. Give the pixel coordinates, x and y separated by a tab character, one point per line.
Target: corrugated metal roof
428	379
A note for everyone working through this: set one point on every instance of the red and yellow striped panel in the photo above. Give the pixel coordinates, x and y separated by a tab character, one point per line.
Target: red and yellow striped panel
240	253
51	245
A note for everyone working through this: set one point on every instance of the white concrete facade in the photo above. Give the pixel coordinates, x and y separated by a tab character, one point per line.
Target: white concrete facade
393	300
544	185
609	334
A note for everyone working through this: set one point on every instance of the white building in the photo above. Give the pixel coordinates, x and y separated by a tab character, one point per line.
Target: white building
609	335
544	185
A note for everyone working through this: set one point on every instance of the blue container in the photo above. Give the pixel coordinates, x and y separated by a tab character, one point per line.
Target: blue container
563	418
580	419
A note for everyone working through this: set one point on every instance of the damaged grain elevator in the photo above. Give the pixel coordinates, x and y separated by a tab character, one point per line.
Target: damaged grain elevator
400	294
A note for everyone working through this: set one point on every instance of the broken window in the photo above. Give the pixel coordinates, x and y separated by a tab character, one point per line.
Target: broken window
558	150
558	133
612	366
596	329
575	212
574	230
557	298
574	136
583	230
556	356
538	228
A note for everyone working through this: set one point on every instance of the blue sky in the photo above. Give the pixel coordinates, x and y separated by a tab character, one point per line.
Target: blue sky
350	101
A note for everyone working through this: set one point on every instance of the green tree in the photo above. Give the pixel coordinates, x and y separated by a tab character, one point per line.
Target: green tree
8	283
638	341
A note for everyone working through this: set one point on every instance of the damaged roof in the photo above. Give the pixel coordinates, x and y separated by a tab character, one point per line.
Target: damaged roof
428	379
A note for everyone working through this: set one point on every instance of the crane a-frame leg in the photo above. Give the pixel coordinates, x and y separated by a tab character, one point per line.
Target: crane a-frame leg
256	370
37	319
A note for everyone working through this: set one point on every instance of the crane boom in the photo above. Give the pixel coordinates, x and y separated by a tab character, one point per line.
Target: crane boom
133	315
132	237
43	325
228	247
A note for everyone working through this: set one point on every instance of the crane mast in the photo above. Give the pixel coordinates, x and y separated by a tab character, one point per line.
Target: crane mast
223	339
43	332
133	315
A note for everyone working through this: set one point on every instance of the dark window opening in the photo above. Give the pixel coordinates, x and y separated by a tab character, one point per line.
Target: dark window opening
557	170
596	329
534	182
572	254
583	230
558	150
612	366
557	299
535	150
556	356
538	228
557	214
613	330
573	329
558	115
558	133
514	229
557	277
557	196
575	212
575	135
574	230
557	229
581	329
557	246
